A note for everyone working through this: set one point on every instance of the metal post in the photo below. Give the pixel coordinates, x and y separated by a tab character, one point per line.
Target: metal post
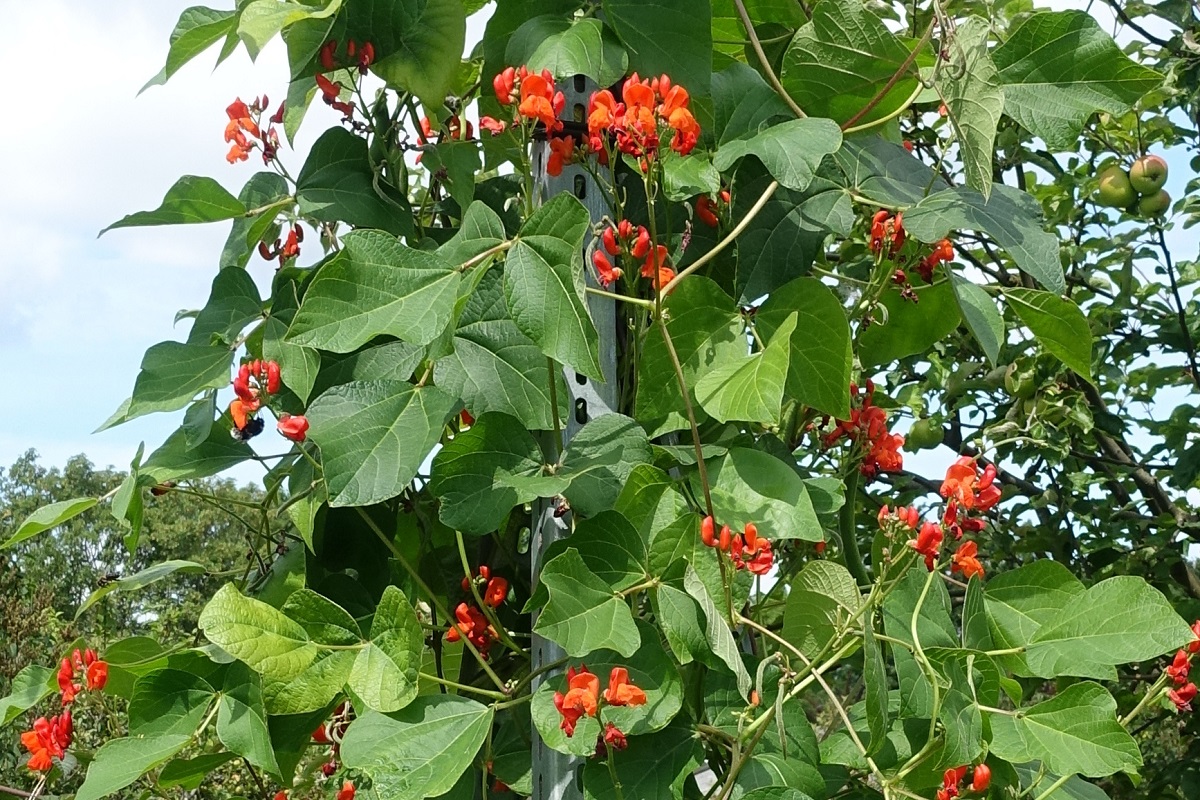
554	774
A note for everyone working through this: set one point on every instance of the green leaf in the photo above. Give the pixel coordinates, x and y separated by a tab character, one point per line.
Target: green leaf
599	459
653	767
1058	324
496	367
976	634
682	622
1076	731
298	366
980	314
128	660
681	49
717	632
791	151
419	751
374	435
190	773
242	719
544	287
1117	621
384	676
1020	601
1058	67
748	485
911	328
176	460
233	303
751	389
197	427
885	172
832	580
174	373
706	329
30	686
254	632
820	359
260	20
1035	780
337	184
586	47
811	620
264	190
169	701
875	678
1010	216
459	162
198	29
120	762
465	471
376	286
610	547
743	104
839	62
582	613
49	517
418	44
318	682
684	177
140	580
974	101
393	361
190	200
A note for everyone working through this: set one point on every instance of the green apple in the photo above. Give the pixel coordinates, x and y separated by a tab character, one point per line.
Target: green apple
925	434
1148	174
1154	204
1115	190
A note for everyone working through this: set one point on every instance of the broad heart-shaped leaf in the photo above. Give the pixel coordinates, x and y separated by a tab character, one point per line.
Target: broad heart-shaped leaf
242	719
582	613
1019	602
1058	67
1058	324
29	687
174	373
610	547
653	767
682	49
706	330
585	47
1117	621
421	750
233	303
599	459
1076	731
374	435
650	669
337	184
393	361
465	471
811	620
1010	216
875	678
911	327
839	62
190	773
750	389
198	29
885	172
544	289
743	103
981	316
819	364
717	632
791	151
176	460
748	485
120	762
260	20
974	101
140	580
376	286
496	367
256	633
190	200
48	517
384	676
264	190
322	679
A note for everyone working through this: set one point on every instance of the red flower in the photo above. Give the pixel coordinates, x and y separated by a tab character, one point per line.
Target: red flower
887	233
66	682
347	791
49	739
1180	666
606	273
467	419
708	532
97	676
942	251
326	55
981	778
655	267
273	377
503	85
928	542
1182	698
292	427
496	592
539	101
868	423
750	551
621	692
614	738
1194	645
471	623
964	485
706	211
492	125
562	151
964	561
582	698
366	57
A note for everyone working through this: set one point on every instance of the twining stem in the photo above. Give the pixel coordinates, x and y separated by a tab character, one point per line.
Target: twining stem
433	598
721	245
887	87
930	675
486	254
556	444
463	687
691	412
848	528
612	772
772	78
15	792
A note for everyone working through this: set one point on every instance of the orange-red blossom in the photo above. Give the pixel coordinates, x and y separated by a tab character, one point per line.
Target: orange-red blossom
583	697
647	110
48	740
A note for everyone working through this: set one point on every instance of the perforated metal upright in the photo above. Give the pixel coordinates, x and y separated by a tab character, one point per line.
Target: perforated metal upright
555	775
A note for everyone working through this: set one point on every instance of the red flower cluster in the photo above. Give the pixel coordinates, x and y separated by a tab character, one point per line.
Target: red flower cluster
964	486
747	550
495	588
360	57
905	515
285	251
94	671
533	94
943	252
265	377
981	779
887	234
649	109
331	93
708	210
331	732
472	625
48	740
624	241
245	120
583	699
867	427
562	152
1185	690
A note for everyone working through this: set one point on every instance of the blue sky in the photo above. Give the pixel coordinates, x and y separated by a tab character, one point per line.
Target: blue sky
77	312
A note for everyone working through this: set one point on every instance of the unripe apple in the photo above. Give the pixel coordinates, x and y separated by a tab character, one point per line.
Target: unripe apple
1153	205
925	434
1115	190
1148	174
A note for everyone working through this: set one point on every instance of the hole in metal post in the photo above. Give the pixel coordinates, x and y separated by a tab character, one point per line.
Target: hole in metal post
580	187
579	84
581	379
581	411
579	112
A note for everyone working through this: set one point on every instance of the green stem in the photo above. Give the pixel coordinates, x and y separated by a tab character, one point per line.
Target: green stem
848	528
768	70
484	607
553	371
463	687
612	772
